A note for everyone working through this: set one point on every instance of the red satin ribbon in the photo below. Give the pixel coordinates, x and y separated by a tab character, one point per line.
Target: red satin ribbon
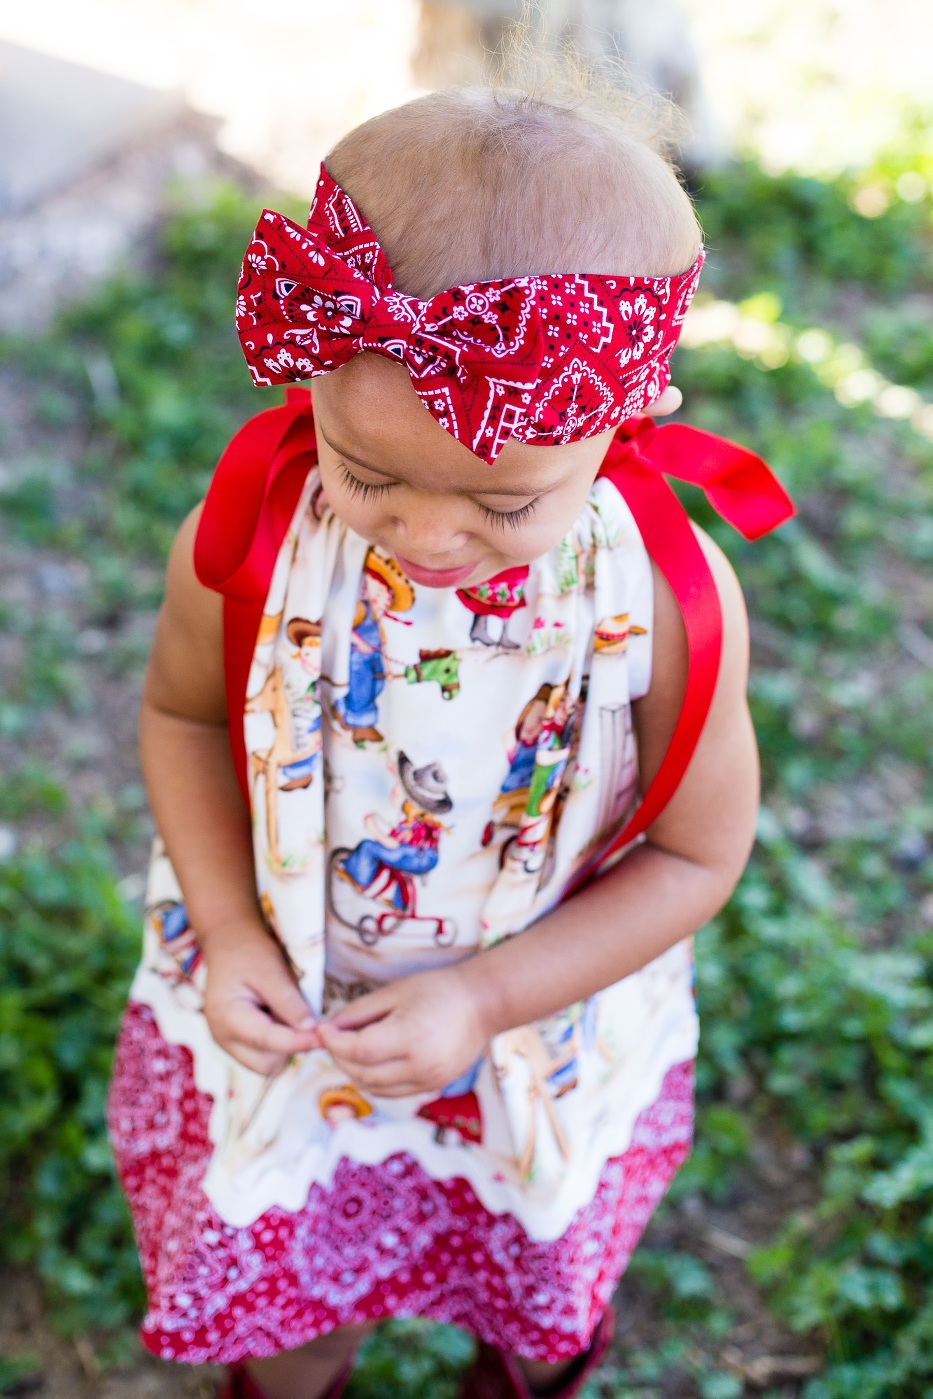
745	492
255	491
738	485
249	506
669	538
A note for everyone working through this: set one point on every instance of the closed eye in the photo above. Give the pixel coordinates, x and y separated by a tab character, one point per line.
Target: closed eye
510	519
501	519
362	490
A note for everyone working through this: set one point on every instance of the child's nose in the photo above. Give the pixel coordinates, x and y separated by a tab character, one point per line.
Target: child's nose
428	529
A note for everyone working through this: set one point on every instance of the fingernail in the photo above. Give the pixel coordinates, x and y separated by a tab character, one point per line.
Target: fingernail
308	1023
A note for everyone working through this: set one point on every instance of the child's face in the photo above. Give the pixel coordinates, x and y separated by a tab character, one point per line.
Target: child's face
400	481
339	1112
533	723
562	711
380	596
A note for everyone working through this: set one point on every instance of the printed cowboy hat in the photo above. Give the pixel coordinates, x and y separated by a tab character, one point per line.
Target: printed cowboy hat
425	785
346	1096
300	630
388	572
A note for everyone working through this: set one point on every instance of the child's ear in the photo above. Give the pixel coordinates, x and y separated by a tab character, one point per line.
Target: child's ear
669	402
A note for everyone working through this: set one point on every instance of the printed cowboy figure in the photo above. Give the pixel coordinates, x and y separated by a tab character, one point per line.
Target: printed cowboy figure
280	758
411	846
343	1104
568	714
456	1114
177	939
301	690
497	599
576	1030
384	590
529	847
540	729
527	732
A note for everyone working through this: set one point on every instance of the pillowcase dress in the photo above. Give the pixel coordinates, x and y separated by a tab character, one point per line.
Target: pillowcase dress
429	771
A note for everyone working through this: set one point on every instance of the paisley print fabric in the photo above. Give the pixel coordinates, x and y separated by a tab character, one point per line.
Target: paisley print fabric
548	359
380	1240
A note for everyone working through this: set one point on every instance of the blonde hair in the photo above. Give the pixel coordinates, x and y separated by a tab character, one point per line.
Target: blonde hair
553	168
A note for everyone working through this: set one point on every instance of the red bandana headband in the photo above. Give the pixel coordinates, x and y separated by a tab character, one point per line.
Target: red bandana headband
547	360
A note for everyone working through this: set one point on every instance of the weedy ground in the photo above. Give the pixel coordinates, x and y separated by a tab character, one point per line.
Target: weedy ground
794	1255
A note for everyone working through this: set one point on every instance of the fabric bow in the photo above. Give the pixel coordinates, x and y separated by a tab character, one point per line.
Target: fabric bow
303	310
547	359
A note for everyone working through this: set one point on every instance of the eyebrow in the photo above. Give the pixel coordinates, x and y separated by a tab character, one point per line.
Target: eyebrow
535	490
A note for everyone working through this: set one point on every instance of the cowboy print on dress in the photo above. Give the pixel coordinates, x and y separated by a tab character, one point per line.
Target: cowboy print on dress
548	359
416	827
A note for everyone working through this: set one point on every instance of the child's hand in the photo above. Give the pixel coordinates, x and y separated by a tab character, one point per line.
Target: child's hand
413	1036
252	1005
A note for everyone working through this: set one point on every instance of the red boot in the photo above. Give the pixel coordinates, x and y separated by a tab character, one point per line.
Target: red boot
495	1374
240	1386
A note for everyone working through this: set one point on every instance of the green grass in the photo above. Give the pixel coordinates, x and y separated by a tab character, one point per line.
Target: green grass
68	943
815	984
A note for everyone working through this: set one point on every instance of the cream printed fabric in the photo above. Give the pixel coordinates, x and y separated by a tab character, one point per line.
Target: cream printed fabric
426	782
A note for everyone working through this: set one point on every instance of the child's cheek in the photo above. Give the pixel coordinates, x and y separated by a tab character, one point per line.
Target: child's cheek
359	515
533	539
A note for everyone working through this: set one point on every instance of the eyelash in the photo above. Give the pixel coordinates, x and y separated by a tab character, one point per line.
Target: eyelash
511	518
365	490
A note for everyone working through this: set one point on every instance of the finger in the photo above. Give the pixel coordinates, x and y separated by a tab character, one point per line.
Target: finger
375	1076
254	1029
386	1080
282	996
365	1009
376	1044
670	400
402	1089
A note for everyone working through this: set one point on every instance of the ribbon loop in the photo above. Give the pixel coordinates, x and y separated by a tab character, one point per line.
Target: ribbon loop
738	484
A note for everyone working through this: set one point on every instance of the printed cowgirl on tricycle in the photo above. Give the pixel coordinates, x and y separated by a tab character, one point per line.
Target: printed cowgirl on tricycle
371	888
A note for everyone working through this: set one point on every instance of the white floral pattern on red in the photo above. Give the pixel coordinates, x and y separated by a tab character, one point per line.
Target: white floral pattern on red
545	359
385	1240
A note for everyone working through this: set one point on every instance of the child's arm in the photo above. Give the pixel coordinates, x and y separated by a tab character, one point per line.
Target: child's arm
254	1009
420	1033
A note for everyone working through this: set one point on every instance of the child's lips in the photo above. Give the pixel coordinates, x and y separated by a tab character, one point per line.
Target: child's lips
436	577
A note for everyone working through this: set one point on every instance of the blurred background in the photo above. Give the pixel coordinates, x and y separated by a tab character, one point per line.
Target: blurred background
138	140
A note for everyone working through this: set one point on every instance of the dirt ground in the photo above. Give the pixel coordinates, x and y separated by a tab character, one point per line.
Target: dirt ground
69	1369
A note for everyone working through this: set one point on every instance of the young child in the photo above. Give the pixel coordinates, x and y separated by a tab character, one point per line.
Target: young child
422	1065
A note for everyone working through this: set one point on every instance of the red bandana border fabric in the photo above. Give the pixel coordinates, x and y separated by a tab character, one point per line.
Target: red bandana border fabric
547	360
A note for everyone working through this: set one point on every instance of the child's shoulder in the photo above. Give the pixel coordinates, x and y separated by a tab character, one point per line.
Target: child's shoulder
185	675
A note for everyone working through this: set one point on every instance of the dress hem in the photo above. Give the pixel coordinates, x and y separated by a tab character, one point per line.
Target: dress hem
383	1242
